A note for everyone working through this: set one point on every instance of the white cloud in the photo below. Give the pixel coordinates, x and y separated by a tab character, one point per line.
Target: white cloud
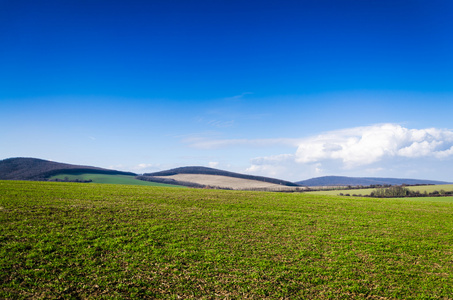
266	170
143	166
213	164
366	145
140	168
444	154
376	150
419	149
366	150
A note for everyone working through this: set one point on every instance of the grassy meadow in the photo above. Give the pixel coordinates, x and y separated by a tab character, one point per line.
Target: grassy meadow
428	199
107	178
367	191
95	241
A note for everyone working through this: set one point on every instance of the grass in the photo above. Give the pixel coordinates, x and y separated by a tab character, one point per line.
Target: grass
111	179
428	199
343	191
422	188
74	240
432	188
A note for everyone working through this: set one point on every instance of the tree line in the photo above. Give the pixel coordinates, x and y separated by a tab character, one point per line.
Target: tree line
402	191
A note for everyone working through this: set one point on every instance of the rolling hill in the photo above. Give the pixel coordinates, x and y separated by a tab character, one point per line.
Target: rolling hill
203	176
38	169
22	168
25	168
363	181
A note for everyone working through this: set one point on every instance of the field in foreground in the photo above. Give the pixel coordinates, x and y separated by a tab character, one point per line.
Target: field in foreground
67	240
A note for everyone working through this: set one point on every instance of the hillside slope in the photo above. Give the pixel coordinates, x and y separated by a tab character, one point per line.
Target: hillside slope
25	168
203	176
212	171
364	181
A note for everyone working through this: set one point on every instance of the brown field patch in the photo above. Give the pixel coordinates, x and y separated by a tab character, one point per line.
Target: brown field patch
227	182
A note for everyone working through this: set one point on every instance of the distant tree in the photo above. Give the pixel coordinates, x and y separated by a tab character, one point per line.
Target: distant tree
393	191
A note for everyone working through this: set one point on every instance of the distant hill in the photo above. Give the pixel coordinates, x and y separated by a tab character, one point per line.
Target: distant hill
212	171
25	168
364	181
196	176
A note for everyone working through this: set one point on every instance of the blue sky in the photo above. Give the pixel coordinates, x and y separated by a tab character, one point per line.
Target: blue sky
289	89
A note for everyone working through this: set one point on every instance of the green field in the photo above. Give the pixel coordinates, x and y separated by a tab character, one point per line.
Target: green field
428	199
343	191
79	241
112	179
427	188
432	188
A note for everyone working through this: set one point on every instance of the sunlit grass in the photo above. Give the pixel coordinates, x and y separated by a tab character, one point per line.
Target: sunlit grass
66	240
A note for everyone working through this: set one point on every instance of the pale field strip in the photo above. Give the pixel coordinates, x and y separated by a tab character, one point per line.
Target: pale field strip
367	191
226	182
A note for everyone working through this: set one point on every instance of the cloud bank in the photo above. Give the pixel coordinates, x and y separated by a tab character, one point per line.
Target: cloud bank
365	145
378	150
367	148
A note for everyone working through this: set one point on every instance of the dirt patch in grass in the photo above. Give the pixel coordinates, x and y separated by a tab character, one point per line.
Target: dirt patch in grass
225	181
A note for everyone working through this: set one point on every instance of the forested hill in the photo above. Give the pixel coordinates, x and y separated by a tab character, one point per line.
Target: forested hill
24	168
212	171
363	181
